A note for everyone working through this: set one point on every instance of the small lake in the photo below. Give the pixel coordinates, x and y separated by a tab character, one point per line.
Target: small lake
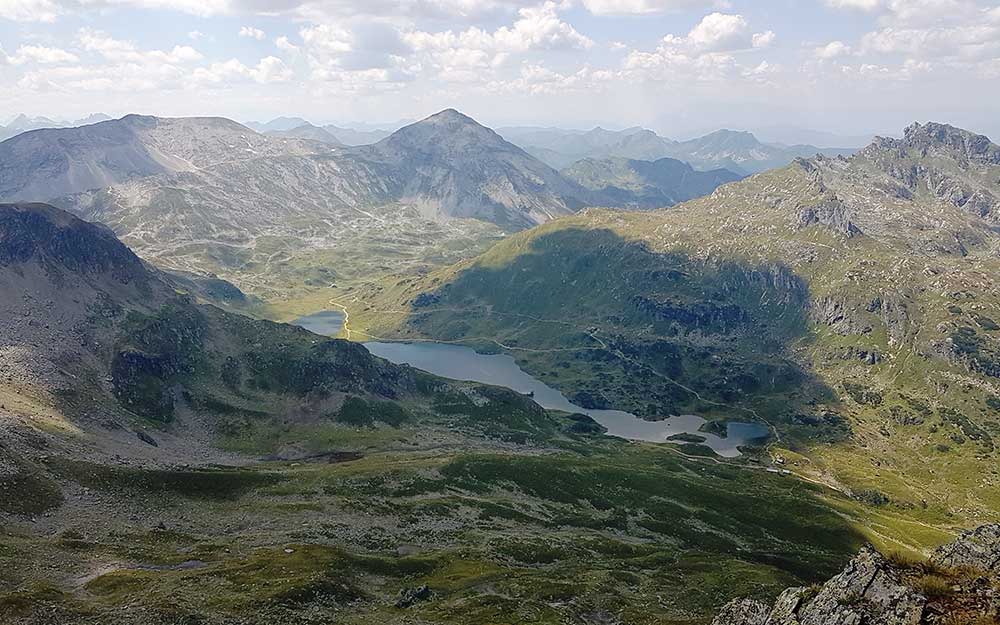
326	323
463	363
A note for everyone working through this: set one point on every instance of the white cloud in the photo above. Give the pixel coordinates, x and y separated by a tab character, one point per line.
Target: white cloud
283	44
977	38
763	40
719	31
41	54
536	79
641	7
863	5
832	50
327	39
30	10
537	28
50	10
119	50
269	70
252	33
706	53
195	35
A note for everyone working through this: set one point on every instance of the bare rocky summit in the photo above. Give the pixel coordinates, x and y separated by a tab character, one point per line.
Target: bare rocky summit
956	585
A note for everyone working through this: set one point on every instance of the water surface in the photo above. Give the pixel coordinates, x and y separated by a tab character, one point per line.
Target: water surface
327	322
463	363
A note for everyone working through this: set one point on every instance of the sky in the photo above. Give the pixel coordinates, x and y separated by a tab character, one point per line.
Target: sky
681	67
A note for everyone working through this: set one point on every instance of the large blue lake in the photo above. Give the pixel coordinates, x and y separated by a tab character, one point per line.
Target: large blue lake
463	363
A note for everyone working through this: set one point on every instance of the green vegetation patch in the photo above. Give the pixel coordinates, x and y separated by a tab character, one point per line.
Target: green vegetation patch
28	491
360	412
202	483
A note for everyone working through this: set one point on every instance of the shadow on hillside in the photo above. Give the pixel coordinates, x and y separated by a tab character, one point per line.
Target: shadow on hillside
721	330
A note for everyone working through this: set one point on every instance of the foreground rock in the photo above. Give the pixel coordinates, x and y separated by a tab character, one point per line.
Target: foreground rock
956	585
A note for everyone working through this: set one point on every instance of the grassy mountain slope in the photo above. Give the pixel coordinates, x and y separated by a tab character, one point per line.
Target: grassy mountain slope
165	462
849	302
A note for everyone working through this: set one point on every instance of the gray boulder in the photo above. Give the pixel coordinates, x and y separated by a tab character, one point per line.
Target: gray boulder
976	549
868	591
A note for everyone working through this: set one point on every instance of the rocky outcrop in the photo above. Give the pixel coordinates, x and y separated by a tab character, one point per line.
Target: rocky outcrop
956	178
703	315
929	136
830	213
977	548
954	586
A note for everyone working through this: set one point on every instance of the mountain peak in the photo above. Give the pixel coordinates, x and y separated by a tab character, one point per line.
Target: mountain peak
450	113
40	232
933	134
450	117
447	130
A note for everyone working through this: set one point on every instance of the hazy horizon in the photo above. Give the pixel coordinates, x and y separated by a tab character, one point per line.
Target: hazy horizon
776	133
680	67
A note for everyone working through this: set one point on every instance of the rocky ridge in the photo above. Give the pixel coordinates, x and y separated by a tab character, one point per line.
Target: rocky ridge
957	584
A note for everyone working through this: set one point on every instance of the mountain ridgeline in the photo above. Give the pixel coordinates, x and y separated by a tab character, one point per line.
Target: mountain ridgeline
211	196
849	302
739	152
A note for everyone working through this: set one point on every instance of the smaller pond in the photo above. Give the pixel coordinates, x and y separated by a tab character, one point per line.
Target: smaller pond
326	323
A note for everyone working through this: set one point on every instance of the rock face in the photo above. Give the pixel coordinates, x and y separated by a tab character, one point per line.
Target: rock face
978	548
831	213
954	165
872	590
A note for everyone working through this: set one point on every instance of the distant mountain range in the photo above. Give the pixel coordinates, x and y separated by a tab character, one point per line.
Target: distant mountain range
298	127
561	148
647	184
447	165
740	152
307	131
794	135
23	123
213	196
143	169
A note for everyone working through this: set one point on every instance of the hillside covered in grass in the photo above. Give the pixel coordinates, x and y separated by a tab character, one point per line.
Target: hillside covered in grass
849	302
167	462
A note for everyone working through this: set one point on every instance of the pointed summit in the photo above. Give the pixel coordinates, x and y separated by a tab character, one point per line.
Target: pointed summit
453	164
448	129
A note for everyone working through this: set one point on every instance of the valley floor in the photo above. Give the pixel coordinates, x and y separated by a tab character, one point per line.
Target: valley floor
577	529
